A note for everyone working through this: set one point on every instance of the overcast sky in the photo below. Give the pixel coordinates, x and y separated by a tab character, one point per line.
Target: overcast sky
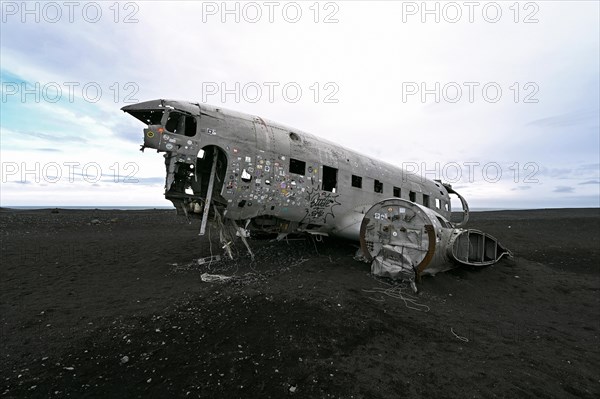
501	99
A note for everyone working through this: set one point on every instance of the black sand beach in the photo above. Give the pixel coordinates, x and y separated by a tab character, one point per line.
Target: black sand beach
108	304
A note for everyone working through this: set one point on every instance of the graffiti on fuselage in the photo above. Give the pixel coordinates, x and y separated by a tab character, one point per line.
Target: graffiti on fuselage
320	205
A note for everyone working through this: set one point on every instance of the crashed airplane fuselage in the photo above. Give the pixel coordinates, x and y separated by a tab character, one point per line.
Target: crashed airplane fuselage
265	177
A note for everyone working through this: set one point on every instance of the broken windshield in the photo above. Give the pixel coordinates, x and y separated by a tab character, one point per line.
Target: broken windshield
149	117
180	123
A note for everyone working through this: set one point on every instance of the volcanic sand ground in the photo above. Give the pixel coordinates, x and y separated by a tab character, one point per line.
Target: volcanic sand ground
116	309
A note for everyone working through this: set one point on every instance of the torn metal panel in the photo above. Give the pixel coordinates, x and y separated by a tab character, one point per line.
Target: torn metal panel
464	205
209	191
406	234
404	240
476	248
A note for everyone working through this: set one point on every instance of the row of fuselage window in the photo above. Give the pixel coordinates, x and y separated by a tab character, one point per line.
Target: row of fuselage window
329	183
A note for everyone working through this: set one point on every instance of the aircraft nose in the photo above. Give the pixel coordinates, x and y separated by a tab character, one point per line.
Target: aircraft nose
152	104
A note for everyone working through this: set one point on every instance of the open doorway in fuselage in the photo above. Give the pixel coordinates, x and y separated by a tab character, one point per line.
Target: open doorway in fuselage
204	165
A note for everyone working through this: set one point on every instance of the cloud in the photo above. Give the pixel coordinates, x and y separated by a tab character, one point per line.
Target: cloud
590	182
582	171
150	181
594	167
563	189
115	178
565	120
129	134
52	137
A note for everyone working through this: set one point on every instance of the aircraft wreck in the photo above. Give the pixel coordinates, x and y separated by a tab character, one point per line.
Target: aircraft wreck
256	176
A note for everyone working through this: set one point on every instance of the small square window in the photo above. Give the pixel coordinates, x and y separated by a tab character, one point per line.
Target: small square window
426	200
356	181
329	179
297	167
378	186
412	196
397	192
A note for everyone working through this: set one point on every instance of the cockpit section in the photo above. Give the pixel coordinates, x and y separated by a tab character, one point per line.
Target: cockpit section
170	128
194	175
181	123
